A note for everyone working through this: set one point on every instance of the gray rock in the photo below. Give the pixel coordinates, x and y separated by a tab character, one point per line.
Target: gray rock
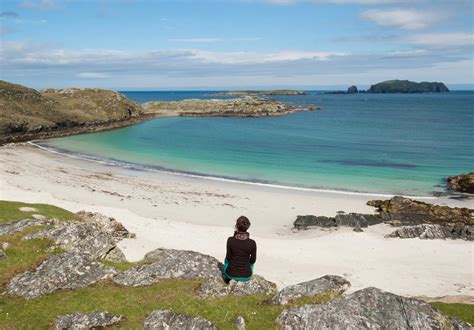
59	272
17	226
80	237
304	222
167	320
107	224
168	263
92	320
28	209
369	308
217	288
240	323
329	284
435	231
355	220
5	245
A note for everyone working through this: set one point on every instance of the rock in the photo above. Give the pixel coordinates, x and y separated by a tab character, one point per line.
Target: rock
411	212
462	183
107	224
354	220
217	288
28	209
329	284
17	226
38	217
370	308
92	320
3	255
167	320
240	323
59	272
5	245
168	263
357	230
81	237
435	231
406	86
352	90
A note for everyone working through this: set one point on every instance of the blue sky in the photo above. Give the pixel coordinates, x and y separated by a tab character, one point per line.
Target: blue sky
226	44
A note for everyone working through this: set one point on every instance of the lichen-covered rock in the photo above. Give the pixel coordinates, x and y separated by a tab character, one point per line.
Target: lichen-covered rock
167	320
17	226
59	272
432	231
217	288
329	284
370	308
462	183
80	237
94	320
107	224
407	211
304	222
354	220
240	323
168	263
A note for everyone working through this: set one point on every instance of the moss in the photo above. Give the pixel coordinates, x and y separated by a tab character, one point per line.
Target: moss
463	312
10	211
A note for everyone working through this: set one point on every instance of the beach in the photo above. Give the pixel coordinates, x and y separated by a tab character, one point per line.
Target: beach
184	212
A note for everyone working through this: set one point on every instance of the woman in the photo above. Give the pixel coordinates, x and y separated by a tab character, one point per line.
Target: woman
241	253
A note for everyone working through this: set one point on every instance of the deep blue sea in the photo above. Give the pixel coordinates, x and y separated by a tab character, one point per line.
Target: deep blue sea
393	143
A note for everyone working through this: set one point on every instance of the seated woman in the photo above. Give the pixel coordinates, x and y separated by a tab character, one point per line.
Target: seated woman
241	253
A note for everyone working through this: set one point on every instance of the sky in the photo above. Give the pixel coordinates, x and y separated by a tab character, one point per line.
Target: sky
235	44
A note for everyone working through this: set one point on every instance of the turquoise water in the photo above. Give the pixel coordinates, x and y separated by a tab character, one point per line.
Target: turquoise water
397	143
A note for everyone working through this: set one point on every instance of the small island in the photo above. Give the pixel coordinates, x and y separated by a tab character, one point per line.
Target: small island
406	86
274	92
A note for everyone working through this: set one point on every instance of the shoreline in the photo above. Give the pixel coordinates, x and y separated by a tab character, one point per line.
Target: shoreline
189	213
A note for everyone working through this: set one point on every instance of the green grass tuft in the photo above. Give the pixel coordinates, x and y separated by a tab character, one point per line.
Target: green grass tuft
463	312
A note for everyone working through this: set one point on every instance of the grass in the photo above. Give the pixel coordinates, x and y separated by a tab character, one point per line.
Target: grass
10	211
133	303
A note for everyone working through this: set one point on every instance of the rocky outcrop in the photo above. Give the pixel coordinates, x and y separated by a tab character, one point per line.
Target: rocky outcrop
435	231
274	92
17	226
241	107
406	86
94	320
404	211
168	263
167	320
217	288
463	183
59	272
330	284
85	238
107	224
354	220
369	308
352	90
30	114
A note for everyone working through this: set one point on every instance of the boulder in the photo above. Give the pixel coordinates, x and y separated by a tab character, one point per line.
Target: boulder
405	211
435	231
353	220
168	263
462	183
352	90
92	320
370	308
17	226
217	288
304	222
329	284
167	320
240	323
81	237
107	224
59	272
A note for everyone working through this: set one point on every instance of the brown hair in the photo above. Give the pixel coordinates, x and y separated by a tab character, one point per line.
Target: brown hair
242	223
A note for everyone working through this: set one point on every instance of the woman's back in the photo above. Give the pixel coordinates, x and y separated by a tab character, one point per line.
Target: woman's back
241	254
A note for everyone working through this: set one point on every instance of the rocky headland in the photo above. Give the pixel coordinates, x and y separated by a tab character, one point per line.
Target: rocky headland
463	183
248	106
273	92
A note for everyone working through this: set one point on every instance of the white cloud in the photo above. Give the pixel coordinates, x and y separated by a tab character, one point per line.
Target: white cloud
409	19
446	39
213	40
98	75
39	4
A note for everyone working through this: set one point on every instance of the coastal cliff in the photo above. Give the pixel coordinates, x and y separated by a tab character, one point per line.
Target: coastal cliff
406	86
28	114
248	106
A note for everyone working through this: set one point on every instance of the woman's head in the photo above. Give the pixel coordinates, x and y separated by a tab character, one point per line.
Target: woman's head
242	223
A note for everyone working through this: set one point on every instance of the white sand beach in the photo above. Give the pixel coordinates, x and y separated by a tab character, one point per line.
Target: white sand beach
180	212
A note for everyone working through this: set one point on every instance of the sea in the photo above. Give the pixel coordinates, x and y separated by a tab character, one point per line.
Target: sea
357	143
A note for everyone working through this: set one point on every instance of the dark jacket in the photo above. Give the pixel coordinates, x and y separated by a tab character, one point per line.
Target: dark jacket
240	255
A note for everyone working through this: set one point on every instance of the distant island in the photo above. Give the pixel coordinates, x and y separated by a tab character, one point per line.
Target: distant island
398	86
273	92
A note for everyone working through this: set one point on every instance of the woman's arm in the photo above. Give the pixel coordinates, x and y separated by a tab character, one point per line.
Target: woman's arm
227	254
253	254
